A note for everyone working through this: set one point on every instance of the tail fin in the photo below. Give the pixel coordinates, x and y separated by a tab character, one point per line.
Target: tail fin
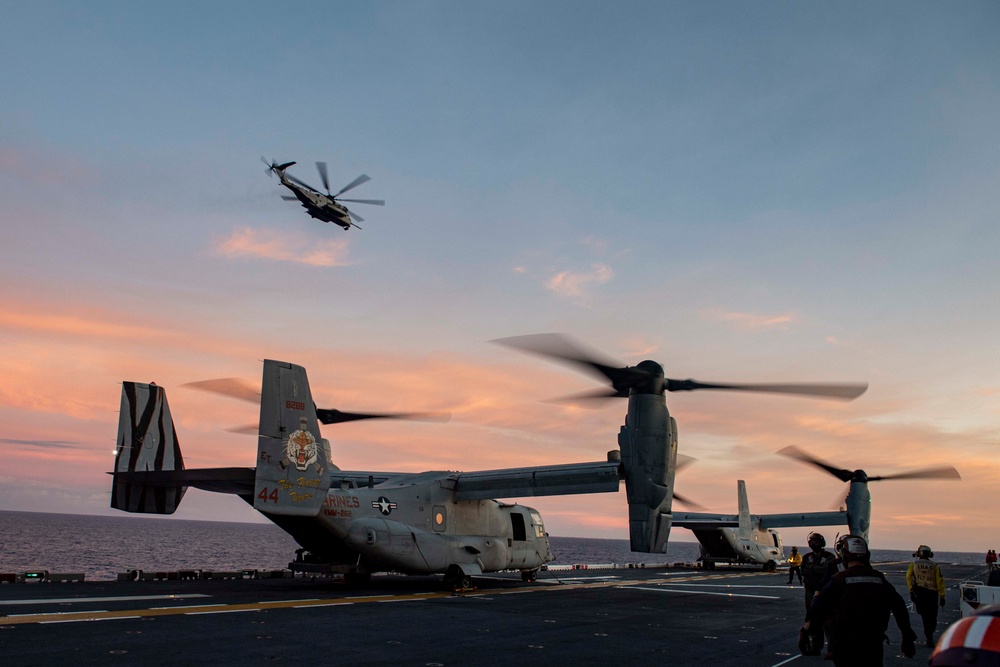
282	167
147	441
744	510
293	461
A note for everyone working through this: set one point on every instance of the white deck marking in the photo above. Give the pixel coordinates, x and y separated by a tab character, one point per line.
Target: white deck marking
660	589
118	598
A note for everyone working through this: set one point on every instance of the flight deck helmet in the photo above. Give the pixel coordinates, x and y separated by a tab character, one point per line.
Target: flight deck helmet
923	551
852	547
970	641
816	541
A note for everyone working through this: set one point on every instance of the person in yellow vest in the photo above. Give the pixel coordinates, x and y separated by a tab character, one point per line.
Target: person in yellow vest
926	584
794	564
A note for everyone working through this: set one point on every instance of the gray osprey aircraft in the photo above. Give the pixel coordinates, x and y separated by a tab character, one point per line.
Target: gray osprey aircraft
858	502
325	207
648	440
451	523
744	537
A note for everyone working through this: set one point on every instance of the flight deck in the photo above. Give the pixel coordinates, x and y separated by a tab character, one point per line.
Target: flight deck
668	615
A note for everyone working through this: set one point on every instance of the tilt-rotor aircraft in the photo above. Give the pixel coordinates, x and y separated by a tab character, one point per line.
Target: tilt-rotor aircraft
451	523
744	537
325	207
858	502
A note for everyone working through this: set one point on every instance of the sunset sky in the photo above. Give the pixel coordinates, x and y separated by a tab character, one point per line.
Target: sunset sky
744	192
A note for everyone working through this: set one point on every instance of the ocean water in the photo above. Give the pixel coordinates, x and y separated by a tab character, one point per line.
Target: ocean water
103	546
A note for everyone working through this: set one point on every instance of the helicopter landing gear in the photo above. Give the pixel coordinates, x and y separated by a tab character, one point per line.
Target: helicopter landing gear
456	579
529	575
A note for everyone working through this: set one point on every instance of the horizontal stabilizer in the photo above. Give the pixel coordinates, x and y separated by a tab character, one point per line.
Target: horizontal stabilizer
238	481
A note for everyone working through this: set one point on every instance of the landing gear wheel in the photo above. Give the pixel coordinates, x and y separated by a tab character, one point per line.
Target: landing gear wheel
770	566
529	575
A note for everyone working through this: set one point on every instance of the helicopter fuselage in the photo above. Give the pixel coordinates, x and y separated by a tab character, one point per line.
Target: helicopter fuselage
318	205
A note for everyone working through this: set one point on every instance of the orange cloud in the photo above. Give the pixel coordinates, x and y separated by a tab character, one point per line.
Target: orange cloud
283	246
748	321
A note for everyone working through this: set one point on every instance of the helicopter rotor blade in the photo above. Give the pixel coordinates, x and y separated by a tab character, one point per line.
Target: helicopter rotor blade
289	198
795	453
232	387
270	167
355	216
944	472
846	392
374	202
300	182
363	178
321	167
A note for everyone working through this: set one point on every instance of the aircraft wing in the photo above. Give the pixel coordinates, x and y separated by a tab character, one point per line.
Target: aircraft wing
220	480
701	521
832	518
557	480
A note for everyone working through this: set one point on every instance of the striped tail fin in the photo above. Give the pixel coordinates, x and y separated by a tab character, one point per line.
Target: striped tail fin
147	441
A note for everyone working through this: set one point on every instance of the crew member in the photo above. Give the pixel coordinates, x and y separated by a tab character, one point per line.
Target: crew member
857	603
926	584
814	566
794	564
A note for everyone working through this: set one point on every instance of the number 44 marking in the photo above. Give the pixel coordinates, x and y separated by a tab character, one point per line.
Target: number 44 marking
265	496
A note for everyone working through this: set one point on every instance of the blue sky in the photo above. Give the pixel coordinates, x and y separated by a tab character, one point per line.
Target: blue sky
773	191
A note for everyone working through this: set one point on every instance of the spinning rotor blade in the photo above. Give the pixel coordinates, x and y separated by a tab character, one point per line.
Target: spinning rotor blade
355	216
363	178
563	348
300	182
375	202
945	472
796	453
624	378
824	390
690	503
326	416
321	167
270	167
249	429
233	387
289	198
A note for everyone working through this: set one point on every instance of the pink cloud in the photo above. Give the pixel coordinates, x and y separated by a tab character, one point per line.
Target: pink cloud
572	284
283	246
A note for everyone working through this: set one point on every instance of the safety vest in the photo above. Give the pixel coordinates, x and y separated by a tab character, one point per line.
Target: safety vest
795	560
925	573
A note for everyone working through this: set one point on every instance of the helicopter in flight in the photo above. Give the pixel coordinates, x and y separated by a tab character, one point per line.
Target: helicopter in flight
459	524
326	207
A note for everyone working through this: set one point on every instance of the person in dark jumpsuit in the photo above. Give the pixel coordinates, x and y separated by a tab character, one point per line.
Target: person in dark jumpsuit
857	602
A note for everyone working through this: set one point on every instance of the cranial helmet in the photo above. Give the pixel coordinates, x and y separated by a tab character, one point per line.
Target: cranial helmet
923	551
853	547
816	540
973	640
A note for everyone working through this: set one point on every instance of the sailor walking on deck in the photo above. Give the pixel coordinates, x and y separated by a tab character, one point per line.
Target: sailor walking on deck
794	564
926	584
814	568
857	602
